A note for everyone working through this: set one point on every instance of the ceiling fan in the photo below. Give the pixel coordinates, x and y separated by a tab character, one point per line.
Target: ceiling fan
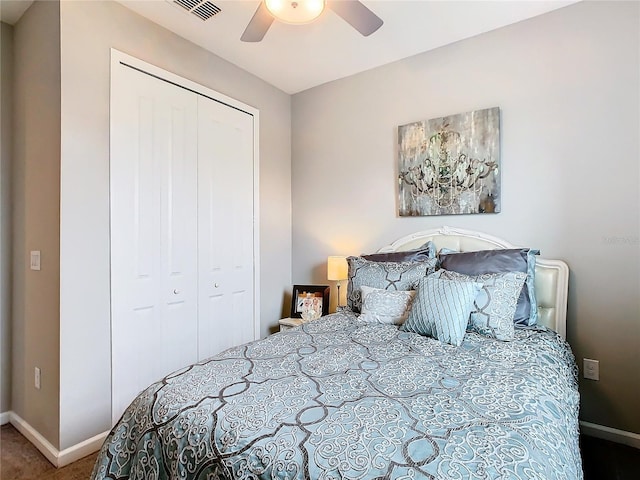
305	11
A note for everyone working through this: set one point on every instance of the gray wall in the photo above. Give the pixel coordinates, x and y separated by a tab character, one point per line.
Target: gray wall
36	217
568	87
88	31
6	121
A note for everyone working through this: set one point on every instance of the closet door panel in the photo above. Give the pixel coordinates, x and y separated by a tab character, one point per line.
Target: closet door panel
178	234
225	227
153	232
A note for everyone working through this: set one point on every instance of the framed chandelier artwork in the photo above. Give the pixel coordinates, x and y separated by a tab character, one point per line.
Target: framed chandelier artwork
450	165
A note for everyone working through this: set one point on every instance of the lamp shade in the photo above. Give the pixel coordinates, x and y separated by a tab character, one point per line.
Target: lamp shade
337	268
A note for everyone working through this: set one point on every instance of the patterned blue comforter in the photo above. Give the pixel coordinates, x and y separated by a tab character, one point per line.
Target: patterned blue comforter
340	399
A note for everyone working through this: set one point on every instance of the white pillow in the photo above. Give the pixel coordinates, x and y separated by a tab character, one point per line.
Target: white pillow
385	306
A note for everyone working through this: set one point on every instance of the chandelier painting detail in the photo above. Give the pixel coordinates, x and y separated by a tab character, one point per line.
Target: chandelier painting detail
450	165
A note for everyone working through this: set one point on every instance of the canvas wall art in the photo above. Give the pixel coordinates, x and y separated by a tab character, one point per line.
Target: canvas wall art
450	165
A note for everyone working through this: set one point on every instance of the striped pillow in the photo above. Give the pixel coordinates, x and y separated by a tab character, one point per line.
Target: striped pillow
441	309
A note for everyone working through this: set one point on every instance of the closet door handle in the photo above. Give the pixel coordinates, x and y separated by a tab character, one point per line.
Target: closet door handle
176	291
216	285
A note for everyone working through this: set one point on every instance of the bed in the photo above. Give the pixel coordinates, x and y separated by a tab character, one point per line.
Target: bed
341	397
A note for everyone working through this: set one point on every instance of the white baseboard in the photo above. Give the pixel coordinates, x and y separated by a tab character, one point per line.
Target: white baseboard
81	450
4	418
612	434
51	453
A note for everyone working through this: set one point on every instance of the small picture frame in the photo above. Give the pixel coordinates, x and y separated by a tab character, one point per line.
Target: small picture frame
320	294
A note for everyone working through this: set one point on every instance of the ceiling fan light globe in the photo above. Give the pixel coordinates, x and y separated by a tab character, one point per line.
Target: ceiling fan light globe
295	12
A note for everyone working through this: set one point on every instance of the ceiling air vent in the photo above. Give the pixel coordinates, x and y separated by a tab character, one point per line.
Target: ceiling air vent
203	9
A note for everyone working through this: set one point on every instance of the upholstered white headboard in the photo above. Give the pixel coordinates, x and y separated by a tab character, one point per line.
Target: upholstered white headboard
552	276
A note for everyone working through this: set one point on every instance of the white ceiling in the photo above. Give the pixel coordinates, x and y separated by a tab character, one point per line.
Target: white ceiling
297	57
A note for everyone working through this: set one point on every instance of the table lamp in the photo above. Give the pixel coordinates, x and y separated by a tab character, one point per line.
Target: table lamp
337	270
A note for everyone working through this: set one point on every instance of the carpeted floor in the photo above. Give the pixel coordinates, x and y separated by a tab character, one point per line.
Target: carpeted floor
19	460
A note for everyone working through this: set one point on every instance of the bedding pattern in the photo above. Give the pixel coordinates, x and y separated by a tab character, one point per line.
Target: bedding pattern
338	398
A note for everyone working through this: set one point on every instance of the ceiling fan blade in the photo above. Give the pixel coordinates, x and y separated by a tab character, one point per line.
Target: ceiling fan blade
357	15
258	26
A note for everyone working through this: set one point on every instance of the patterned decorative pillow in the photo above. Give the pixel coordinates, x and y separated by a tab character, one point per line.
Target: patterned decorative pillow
385	275
384	306
495	305
423	252
499	261
441	309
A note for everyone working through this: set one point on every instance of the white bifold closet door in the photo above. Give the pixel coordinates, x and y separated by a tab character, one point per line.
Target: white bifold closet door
225	226
182	267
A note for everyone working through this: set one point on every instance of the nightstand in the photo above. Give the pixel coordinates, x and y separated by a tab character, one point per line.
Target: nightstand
288	323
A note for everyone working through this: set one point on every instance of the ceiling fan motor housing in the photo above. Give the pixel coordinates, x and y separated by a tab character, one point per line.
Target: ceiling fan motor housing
295	12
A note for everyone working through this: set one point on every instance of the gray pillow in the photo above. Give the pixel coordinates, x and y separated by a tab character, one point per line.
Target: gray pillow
423	252
384	275
499	261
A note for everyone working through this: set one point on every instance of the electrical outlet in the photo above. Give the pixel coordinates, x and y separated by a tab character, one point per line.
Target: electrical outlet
37	378
591	369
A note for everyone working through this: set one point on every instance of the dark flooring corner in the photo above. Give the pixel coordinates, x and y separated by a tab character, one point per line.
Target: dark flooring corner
605	460
20	460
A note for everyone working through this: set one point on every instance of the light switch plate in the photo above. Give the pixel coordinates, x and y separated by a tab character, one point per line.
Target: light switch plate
35	259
